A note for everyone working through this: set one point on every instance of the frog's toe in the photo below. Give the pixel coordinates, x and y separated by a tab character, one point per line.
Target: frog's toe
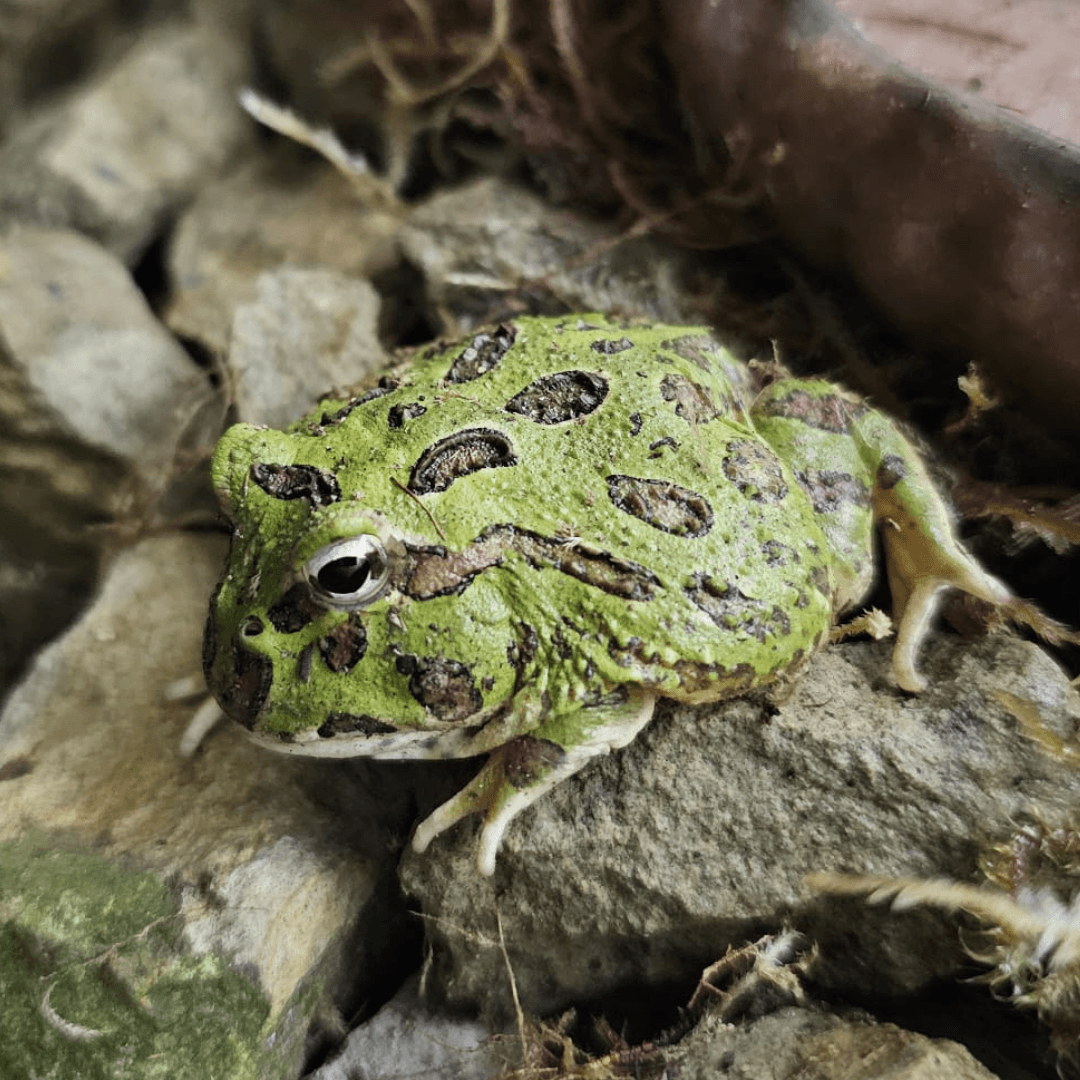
918	572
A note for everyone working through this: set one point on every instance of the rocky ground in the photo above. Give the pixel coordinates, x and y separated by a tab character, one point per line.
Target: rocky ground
167	265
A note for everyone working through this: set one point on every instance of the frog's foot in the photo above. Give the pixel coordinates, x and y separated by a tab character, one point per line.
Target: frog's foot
520	771
922	558
921	562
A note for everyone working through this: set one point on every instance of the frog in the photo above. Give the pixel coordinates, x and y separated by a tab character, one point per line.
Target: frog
515	544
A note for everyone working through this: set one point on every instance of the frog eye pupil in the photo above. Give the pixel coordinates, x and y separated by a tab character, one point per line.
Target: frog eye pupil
345	575
350	573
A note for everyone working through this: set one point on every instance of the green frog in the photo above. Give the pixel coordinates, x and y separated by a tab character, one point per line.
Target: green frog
514	545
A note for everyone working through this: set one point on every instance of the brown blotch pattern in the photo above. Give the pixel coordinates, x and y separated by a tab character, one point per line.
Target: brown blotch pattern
694	677
294	610
565	395
243	693
830	413
661	504
433	571
891	471
445	687
329	420
527	759
732	610
694	403
483	353
342	723
318	486
458	455
398	415
343	647
609	346
829	488
697	348
755	471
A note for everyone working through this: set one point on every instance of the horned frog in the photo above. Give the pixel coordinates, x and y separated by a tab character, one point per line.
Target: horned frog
516	544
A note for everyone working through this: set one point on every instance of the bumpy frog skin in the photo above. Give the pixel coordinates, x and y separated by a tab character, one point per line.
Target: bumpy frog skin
516	544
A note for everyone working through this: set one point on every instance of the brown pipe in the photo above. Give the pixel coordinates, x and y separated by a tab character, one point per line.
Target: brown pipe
959	221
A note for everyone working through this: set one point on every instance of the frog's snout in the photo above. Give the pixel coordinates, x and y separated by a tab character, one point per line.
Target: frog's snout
240	680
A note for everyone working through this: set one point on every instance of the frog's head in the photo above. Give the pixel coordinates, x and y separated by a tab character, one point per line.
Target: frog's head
307	644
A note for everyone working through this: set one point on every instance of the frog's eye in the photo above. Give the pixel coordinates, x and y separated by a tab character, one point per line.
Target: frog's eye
350	573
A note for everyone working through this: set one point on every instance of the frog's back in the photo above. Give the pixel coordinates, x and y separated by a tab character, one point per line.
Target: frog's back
606	480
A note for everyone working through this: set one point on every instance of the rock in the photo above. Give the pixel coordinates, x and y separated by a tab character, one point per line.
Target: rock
87	363
274	876
487	245
647	865
306	332
269	213
796	1043
120	157
96	399
407	1040
46	44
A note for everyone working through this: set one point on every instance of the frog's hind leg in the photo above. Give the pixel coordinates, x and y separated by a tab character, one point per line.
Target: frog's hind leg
922	554
520	771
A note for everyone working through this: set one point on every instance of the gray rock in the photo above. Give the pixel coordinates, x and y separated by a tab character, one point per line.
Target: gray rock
648	864
796	1043
95	398
305	332
121	156
282	870
88	367
269	213
45	44
408	1040
481	243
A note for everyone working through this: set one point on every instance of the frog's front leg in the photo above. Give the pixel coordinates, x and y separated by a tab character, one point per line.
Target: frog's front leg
859	470
521	770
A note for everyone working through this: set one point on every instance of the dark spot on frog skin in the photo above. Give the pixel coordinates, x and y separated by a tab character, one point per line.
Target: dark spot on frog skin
458	455
563	649
15	767
244	686
443	686
636	423
891	471
342	723
755	471
732	610
294	610
565	395
609	347
318	486
661	504
778	554
329	420
433	571
656	449
303	664
829	488
483	353
522	652
694	677
527	759
344	646
697	348
399	414
694	402
829	413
